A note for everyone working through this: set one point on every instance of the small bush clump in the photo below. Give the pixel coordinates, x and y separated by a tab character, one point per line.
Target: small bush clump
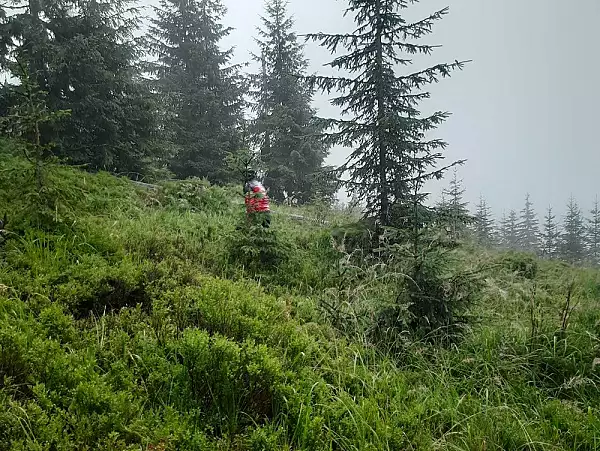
196	195
257	249
524	265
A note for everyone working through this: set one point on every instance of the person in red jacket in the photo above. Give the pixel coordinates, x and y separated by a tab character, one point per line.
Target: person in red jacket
257	201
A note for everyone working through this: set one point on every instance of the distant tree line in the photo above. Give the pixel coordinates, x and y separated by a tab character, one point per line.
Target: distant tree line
574	239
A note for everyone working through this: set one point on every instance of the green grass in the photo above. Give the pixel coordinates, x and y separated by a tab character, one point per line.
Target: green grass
143	321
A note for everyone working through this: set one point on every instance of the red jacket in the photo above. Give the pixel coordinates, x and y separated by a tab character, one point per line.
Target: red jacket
257	199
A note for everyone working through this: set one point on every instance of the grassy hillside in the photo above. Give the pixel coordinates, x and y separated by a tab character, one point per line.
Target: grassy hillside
135	319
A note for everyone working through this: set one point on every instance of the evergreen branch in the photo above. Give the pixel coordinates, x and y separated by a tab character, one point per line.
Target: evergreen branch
418	29
333	41
415	80
5	6
329	84
430	75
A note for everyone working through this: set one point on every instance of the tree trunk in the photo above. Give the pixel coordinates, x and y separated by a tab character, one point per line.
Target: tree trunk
383	185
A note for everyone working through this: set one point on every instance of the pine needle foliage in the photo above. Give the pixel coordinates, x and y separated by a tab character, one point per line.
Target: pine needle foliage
285	131
379	106
27	118
509	230
572	246
528	228
84	55
454	208
593	234
25	123
550	235
484	224
199	89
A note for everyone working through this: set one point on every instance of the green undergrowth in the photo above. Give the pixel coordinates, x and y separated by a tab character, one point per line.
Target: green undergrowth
142	319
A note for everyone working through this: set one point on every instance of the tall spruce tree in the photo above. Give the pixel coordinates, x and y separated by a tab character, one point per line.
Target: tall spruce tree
286	133
593	234
572	246
509	231
528	228
550	236
95	73
200	91
84	56
484	224
380	120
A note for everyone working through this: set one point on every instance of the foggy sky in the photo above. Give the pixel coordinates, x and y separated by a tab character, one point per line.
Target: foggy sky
523	112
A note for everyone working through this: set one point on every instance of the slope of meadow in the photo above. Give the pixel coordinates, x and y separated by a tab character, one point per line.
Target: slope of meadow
135	319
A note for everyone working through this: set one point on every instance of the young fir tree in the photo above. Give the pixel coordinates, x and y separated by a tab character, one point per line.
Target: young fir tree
454	208
84	56
285	130
593	234
434	292
550	236
380	119
502	230
528	230
509	231
442	210
26	120
484	224
200	91
25	123
572	245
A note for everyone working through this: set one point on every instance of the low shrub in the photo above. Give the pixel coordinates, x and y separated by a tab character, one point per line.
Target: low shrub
196	195
522	264
258	250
